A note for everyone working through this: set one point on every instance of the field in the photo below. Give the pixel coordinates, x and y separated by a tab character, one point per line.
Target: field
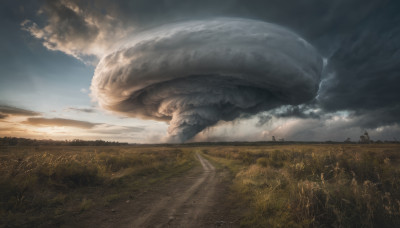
47	185
321	185
315	185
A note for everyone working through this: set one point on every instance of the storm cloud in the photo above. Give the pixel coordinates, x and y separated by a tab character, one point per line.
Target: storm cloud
195	74
364	71
78	28
173	61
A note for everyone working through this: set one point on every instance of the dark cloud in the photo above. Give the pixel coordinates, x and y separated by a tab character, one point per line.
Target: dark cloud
82	29
360	40
301	111
2	116
86	27
364	72
195	74
263	120
60	122
6	110
86	110
377	118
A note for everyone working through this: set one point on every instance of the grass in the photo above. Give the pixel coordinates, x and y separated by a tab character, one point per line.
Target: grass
273	185
314	185
44	186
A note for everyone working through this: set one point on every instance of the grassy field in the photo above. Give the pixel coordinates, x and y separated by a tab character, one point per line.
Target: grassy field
314	185
44	186
272	185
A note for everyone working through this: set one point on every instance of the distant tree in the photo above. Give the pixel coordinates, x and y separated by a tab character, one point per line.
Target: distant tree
364	138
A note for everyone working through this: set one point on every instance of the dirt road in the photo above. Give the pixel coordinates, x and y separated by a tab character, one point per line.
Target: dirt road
196	199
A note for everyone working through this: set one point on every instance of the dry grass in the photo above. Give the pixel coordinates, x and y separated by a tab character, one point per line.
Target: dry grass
42	186
277	186
315	185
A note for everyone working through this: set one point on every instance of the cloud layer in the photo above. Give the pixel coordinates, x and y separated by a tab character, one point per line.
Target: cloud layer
60	122
196	73
6	111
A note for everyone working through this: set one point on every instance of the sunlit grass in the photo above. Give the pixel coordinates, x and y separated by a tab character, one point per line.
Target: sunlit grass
315	185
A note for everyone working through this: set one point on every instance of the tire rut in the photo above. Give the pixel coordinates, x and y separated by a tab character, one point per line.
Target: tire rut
184	208
194	199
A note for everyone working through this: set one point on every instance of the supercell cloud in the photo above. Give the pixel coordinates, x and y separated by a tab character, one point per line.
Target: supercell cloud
200	71
196	73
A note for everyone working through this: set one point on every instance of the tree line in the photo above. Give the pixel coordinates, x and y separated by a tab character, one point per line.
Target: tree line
13	141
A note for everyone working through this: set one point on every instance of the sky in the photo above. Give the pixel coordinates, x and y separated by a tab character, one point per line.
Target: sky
160	71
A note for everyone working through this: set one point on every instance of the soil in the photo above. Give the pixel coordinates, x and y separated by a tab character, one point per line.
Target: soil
198	198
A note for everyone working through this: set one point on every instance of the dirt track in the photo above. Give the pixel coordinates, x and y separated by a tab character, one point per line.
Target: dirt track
196	199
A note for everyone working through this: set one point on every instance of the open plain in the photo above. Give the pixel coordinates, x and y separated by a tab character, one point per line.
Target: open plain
268	185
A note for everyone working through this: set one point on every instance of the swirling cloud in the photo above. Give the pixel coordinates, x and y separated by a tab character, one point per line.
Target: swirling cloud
197	73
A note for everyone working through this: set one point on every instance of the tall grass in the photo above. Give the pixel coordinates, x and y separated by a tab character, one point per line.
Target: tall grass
317	186
44	185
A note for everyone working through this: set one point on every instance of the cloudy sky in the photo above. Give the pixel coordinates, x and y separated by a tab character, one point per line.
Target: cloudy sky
173	71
